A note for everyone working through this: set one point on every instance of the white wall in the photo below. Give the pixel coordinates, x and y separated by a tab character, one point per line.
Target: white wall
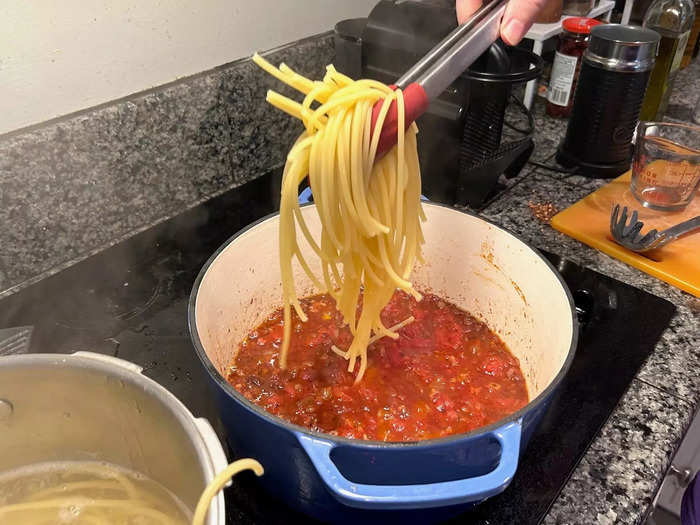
59	56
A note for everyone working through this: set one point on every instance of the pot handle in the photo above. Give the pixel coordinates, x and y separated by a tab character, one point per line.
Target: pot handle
305	196
211	441
427	495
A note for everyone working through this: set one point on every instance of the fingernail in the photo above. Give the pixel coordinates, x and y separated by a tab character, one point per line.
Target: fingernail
513	32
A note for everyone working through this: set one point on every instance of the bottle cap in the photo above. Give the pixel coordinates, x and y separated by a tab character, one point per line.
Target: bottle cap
620	47
579	24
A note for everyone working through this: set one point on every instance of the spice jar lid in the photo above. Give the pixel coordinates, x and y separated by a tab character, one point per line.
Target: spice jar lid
580	24
620	47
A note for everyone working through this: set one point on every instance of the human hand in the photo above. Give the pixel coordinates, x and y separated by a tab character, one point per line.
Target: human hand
516	21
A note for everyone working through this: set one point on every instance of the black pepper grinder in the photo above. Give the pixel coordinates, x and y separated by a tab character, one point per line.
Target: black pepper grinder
614	75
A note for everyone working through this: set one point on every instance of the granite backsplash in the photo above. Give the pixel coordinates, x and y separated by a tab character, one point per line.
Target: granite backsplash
78	184
73	186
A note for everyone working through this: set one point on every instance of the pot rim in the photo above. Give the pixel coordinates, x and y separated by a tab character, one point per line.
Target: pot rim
339	440
112	366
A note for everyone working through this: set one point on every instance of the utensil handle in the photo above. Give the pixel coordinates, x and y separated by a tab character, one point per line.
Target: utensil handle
682	228
364	496
451	63
415	104
444	45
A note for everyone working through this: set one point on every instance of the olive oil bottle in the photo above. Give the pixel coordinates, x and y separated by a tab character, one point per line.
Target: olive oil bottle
693	39
672	19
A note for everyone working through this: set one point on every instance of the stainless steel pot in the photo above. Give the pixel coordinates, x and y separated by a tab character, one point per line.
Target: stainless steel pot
88	406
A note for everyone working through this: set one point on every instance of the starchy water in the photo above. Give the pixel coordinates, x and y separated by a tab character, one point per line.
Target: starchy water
78	493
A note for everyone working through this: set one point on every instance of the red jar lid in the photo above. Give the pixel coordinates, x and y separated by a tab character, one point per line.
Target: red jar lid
580	25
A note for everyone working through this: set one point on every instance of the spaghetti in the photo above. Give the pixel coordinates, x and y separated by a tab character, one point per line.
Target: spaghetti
369	207
103	493
218	483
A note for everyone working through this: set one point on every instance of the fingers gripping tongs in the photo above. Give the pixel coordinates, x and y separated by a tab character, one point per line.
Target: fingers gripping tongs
441	66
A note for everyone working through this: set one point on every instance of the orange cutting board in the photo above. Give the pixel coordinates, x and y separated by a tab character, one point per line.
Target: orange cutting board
677	263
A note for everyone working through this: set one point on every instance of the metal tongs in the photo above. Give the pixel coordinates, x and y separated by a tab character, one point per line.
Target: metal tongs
441	66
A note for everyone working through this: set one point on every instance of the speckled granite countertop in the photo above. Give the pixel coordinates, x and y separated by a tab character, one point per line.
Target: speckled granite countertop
75	186
620	474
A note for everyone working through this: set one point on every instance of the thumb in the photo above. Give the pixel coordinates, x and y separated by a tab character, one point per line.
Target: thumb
465	8
518	19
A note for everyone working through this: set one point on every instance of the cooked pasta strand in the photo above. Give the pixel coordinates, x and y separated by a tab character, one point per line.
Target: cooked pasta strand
369	207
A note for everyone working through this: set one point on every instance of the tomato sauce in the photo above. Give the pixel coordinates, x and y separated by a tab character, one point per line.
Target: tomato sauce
447	373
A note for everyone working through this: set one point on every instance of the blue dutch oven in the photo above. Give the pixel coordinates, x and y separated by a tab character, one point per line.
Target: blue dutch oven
470	262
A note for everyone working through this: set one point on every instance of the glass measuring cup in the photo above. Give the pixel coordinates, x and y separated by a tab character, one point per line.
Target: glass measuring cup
666	168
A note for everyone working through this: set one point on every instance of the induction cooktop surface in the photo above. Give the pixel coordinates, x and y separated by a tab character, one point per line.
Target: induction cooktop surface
130	301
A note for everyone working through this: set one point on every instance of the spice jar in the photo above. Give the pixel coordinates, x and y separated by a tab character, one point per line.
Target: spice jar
573	41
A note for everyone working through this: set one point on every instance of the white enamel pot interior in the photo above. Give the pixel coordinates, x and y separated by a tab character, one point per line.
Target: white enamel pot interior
476	265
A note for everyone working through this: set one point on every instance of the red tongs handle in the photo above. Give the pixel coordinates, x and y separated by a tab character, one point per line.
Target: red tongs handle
415	104
441	66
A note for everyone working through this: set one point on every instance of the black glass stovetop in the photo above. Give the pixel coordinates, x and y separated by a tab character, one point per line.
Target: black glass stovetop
130	301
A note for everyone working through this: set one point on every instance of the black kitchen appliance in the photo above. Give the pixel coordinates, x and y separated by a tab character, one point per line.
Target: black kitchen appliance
615	71
461	144
130	301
